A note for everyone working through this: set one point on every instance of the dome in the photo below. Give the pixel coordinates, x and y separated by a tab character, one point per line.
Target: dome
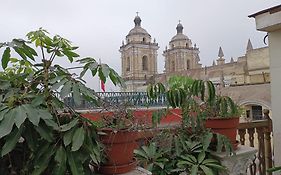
138	30
179	36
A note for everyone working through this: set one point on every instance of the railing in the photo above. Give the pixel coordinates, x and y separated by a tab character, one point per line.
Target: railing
258	134
138	99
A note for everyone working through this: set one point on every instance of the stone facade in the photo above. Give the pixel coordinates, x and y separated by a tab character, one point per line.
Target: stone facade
139	67
139	58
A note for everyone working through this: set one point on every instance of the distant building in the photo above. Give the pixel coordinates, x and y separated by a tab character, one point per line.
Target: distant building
139	58
246	79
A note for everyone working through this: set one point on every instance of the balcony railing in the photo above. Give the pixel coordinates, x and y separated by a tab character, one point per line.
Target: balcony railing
258	134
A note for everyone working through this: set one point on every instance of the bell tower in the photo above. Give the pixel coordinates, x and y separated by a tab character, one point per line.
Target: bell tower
181	55
138	57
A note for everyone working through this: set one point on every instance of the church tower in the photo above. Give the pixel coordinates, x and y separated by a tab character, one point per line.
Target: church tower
139	58
181	55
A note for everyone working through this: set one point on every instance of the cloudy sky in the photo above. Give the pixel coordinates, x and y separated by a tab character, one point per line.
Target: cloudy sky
99	26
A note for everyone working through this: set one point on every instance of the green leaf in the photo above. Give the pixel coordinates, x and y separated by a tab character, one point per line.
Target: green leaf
59	84
11	141
44	114
3	113
45	133
7	123
78	139
20	52
38	101
51	123
201	157
69	125
20	116
57	78
32	114
76	94
66	89
60	158
6	57
67	138
194	170
75	166
70	55
43	161
207	170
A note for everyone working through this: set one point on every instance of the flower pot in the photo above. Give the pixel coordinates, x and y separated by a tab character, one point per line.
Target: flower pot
119	150
224	126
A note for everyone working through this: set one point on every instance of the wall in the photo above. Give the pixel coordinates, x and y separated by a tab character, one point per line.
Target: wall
275	70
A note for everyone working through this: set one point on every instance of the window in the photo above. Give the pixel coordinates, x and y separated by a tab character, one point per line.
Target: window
143	39
128	64
257	112
187	64
144	63
173	66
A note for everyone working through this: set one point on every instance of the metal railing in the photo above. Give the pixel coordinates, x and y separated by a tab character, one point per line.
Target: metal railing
137	99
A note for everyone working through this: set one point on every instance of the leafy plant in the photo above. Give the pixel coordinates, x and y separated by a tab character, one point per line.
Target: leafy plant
274	169
199	164
151	157
39	134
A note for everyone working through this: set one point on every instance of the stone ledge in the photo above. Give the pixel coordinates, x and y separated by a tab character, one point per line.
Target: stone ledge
237	164
138	171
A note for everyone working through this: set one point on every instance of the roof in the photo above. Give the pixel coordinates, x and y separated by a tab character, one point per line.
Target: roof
270	10
138	30
179	36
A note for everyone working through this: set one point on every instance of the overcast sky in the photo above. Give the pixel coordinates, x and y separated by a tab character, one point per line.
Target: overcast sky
99	26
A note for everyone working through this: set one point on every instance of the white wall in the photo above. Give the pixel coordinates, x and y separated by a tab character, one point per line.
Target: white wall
275	69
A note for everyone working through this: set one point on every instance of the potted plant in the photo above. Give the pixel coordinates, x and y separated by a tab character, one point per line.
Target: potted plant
36	137
199	104
118	133
223	117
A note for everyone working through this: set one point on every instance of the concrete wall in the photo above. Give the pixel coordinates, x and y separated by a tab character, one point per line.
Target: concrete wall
275	70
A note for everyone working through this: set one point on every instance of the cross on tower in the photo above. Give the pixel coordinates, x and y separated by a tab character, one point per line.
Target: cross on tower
137	13
179	21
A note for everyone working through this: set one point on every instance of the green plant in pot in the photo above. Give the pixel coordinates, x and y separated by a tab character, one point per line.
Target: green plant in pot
118	133
198	102
223	117
36	136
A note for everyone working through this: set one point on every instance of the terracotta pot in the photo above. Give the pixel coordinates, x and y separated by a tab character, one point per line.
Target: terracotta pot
224	126
119	147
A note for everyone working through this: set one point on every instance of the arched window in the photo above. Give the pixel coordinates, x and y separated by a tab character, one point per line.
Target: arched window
173	66
144	63
187	64
143	39
128	64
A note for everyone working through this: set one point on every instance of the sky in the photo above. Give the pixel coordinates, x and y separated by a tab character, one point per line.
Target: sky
99	26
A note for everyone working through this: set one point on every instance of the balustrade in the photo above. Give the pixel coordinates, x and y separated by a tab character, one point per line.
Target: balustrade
258	135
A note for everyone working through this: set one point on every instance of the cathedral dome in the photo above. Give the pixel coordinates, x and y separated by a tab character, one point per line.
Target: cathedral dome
138	30
179	35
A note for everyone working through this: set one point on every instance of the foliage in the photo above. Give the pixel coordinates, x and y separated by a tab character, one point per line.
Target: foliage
189	148
274	169
36	136
177	151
